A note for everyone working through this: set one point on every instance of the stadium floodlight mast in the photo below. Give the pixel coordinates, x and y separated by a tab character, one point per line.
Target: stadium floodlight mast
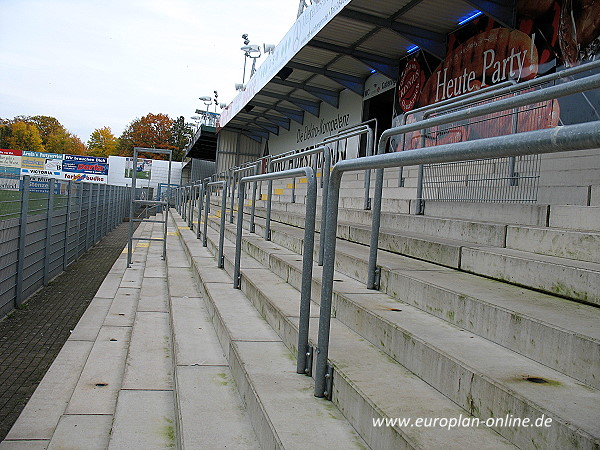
253	52
207	101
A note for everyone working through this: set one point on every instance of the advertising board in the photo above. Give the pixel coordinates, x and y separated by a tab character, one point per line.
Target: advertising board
85	168
41	164
10	161
549	36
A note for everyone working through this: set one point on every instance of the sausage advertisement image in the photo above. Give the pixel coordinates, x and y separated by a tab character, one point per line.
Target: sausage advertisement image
549	35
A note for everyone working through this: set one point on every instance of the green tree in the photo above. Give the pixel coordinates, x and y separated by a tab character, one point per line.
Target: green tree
181	135
102	143
61	141
47	126
25	136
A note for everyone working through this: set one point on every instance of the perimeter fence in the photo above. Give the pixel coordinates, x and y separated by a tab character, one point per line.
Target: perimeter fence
47	224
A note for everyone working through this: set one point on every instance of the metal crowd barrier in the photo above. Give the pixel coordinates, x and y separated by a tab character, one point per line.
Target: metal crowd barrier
559	139
304	356
223	184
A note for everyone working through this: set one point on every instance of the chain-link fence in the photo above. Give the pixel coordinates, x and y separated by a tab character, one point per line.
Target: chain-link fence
45	225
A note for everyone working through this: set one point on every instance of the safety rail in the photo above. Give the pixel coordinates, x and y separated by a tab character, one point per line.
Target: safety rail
223	185
470	99
558	139
235	171
146	202
304	356
553	92
326	150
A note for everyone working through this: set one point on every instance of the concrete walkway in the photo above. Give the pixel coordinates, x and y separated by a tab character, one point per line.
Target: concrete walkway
142	369
32	337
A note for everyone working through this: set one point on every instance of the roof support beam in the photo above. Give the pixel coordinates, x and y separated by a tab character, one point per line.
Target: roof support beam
431	42
307	105
386	66
296	116
279	121
266	126
330	97
355	84
247	133
504	12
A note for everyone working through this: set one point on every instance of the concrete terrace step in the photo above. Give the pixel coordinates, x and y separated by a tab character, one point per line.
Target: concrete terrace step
499	381
74	405
360	396
450	242
282	409
210	412
539	328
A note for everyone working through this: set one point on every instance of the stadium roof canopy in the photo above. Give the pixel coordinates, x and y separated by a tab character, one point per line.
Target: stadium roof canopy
336	45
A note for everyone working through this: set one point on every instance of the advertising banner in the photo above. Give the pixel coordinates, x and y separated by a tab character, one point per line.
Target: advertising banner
142	171
85	168
10	161
41	164
549	36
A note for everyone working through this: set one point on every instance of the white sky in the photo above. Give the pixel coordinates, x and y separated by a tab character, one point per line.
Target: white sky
96	63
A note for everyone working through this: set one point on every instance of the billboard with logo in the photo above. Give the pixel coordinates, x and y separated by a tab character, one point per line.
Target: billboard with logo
85	168
40	164
549	36
10	161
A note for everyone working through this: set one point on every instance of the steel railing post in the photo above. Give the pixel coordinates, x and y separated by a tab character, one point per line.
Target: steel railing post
200	207
22	237
253	206
307	271
221	261
206	211
67	225
49	225
324	200
238	239
329	236
233	183
269	206
370	145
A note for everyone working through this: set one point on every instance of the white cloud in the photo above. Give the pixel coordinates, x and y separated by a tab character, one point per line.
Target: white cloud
92	64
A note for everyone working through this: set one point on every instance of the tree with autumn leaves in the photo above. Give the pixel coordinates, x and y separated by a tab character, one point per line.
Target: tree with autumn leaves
40	134
46	134
156	131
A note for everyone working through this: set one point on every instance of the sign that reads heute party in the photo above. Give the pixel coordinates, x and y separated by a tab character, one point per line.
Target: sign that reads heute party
548	35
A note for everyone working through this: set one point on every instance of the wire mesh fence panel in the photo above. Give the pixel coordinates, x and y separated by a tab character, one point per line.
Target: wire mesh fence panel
496	180
45	225
9	249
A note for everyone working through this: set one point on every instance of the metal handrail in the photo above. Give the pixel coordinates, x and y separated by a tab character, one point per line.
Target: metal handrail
223	184
504	88
302	364
558	139
550	93
369	151
233	184
326	150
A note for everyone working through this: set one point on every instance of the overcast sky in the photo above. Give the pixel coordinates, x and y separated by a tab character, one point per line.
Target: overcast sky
95	63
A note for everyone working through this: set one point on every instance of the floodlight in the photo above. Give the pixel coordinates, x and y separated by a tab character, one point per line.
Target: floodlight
240	87
268	48
222	105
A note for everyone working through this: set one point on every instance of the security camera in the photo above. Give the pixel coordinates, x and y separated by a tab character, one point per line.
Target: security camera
268	48
239	87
